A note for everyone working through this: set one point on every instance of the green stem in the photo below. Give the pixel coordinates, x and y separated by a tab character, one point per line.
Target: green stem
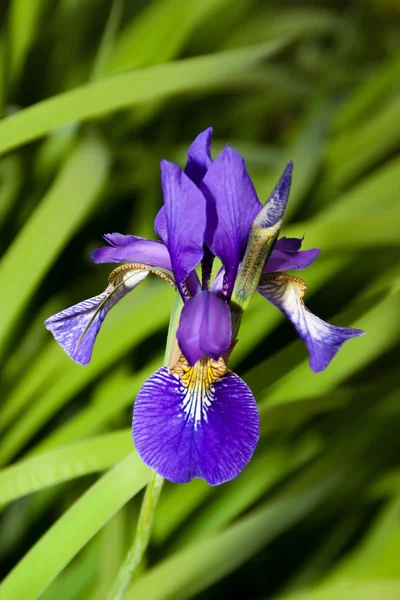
146	517
141	539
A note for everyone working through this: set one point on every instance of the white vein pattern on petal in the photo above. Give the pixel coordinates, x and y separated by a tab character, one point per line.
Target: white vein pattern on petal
196	387
287	292
78	325
322	339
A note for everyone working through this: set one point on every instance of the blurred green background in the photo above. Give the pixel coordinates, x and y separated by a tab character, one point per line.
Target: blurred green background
93	93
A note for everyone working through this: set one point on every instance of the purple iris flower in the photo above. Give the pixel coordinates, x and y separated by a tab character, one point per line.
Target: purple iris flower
194	417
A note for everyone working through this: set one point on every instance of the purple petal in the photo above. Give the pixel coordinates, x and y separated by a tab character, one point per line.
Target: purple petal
160	225
284	259
199	160
195	422
289	244
274	208
322	339
76	328
204	327
199	156
232	206
130	248
120	239
185	209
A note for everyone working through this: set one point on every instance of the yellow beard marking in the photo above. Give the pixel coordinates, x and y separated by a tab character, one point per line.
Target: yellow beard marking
197	385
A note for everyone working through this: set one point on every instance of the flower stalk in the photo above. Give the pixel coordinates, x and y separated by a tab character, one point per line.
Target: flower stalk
144	527
141	540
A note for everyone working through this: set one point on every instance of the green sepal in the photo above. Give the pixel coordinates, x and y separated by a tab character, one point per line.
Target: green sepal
259	247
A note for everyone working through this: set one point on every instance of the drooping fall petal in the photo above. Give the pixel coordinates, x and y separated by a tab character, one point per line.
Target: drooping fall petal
76	328
199	421
322	339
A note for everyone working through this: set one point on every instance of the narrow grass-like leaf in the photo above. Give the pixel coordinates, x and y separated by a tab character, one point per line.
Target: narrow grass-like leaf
76	581
24	20
188	497
351	233
376	556
377	87
68	202
384	589
63	464
3	72
297	22
356	150
11	178
153	38
74	529
306	151
102	411
108	40
195	568
129	89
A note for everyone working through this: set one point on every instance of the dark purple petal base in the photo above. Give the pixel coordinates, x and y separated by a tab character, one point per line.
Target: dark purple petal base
195	422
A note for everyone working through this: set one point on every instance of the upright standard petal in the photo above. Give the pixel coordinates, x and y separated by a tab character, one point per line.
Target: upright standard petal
322	339
130	248
287	256
204	327
76	328
199	160
199	156
232	206
185	208
199	421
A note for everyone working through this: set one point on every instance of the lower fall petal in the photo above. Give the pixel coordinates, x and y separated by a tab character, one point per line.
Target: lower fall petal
322	339
204	327
199	421
76	328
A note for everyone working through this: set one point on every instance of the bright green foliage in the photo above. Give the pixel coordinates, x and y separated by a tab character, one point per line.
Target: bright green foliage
93	94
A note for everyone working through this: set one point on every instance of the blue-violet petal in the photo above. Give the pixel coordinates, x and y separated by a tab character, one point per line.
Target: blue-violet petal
76	328
322	339
199	160
130	248
196	421
232	206
185	209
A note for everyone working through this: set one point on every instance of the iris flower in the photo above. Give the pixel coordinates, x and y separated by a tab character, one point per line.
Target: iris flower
195	417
